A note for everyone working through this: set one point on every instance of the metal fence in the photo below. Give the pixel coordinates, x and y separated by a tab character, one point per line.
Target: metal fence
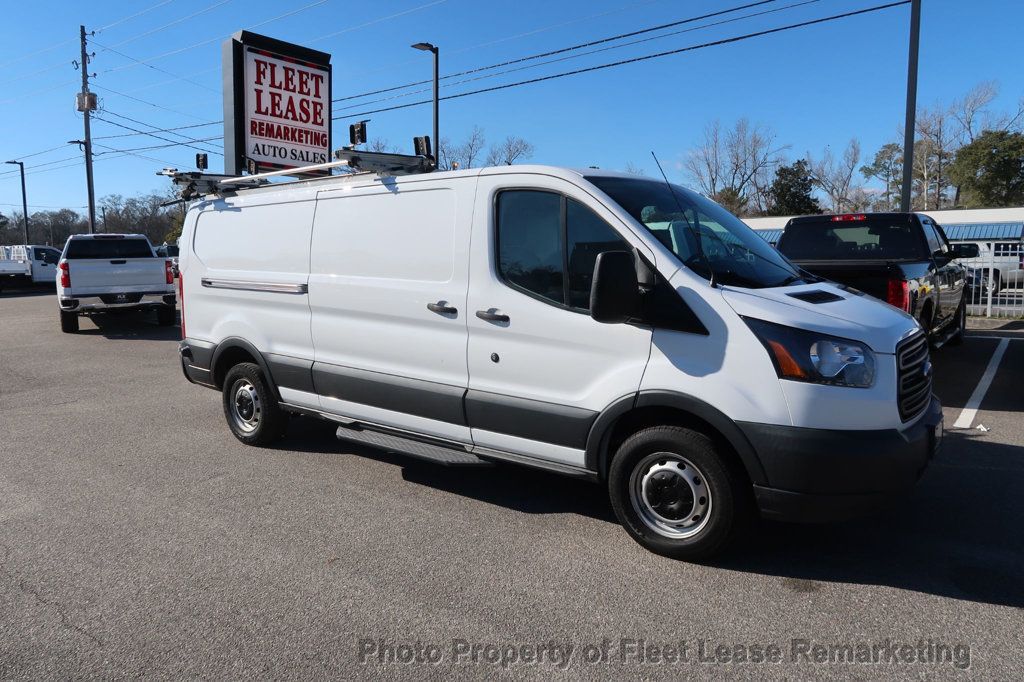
995	281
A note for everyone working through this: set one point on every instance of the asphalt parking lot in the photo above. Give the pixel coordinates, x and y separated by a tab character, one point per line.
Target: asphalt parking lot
138	537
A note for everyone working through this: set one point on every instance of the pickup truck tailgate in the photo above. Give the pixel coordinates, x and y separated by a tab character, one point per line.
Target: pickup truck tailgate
118	275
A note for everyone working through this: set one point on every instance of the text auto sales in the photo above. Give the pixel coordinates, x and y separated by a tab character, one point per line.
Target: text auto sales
288	94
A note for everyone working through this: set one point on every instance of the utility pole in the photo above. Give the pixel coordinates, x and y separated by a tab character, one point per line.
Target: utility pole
24	197
911	117
86	103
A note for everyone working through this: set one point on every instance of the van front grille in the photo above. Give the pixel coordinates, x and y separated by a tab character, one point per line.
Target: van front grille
914	376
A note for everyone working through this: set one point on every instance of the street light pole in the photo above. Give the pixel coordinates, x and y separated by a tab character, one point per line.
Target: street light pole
435	51
911	114
24	197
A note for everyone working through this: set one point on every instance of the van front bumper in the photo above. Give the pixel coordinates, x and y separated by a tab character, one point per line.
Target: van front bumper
828	475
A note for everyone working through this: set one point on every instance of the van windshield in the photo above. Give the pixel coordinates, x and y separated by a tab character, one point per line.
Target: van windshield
701	233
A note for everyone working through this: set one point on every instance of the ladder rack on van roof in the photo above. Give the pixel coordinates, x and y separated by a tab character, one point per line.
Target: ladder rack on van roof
194	184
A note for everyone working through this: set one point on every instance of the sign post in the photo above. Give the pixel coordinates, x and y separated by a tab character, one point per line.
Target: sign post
277	105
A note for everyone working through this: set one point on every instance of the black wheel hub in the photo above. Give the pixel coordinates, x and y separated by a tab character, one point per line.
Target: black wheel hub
669	495
245	406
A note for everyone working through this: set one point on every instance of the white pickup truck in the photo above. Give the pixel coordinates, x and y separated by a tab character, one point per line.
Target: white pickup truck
22	265
103	272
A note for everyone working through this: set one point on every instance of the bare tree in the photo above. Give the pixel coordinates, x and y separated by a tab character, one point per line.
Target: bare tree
468	153
445	154
633	169
379	144
509	151
735	167
835	177
933	153
971	111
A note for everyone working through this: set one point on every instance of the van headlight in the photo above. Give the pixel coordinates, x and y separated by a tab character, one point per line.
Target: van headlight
803	355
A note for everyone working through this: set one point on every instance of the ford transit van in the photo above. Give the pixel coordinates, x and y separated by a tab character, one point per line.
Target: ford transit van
594	324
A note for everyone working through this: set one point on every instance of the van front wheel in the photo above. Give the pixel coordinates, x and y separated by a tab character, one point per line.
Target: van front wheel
675	495
251	409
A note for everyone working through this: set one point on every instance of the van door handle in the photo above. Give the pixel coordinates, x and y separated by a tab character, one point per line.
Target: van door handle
118	262
491	315
442	308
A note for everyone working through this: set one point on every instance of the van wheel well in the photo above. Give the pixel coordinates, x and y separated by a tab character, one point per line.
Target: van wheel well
228	359
645	417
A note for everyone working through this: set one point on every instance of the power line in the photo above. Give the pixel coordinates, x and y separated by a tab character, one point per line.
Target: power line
657	55
134	16
185	18
165	139
160	146
588	53
68	42
377	21
148	125
150	66
563	50
221	37
147	102
159	130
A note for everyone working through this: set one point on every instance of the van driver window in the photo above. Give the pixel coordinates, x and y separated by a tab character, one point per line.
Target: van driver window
530	242
535	252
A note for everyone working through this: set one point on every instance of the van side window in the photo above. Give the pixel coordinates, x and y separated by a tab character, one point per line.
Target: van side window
587	236
548	245
530	245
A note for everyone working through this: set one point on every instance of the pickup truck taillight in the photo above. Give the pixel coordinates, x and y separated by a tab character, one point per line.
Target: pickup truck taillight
168	272
898	294
65	274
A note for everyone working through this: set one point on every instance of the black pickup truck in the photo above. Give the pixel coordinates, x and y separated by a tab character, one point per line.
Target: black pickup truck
902	258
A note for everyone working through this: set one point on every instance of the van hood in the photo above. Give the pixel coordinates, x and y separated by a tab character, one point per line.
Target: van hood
855	315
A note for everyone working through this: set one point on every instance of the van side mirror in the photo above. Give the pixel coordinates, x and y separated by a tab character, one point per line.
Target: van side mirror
614	291
964	250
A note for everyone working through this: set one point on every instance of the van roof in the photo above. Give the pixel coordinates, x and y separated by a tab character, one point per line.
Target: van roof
343	180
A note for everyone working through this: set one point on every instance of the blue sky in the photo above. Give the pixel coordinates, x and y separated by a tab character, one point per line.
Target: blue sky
813	86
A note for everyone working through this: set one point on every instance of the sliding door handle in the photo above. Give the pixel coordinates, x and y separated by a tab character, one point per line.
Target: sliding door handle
491	315
442	308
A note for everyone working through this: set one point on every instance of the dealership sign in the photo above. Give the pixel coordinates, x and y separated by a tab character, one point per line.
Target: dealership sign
277	104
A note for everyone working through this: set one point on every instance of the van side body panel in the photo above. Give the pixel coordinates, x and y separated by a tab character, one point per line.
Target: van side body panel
388	279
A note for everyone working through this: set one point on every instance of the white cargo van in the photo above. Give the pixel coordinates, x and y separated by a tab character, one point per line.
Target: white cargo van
591	323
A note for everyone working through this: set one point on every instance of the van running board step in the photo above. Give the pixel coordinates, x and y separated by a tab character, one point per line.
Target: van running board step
413	448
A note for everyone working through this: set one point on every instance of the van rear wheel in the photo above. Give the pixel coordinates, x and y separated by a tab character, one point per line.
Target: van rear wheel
68	322
674	494
250	407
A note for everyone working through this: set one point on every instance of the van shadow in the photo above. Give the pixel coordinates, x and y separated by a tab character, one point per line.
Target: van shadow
957	535
522	489
129	324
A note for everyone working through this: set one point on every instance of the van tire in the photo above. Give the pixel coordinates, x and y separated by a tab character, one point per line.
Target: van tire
68	322
689	465
166	315
250	406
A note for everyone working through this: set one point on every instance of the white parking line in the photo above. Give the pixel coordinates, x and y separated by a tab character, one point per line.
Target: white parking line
970	410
